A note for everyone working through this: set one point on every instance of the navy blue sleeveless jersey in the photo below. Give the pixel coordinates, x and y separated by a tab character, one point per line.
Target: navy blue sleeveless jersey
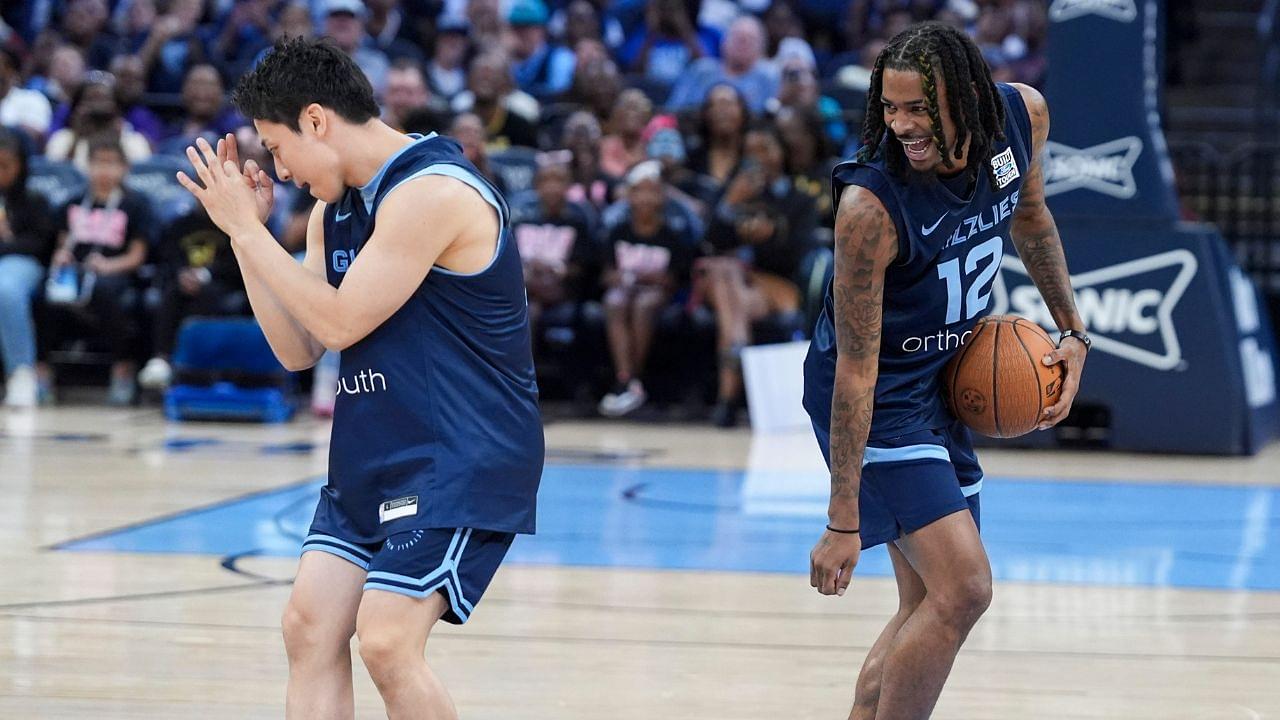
436	421
949	251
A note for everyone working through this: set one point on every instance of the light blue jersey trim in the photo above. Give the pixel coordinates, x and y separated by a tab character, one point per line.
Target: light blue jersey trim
362	564
971	490
356	549
466	176
904	454
432	581
370	189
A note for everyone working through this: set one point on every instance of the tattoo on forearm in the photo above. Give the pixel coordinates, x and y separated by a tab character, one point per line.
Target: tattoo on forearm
1035	234
865	245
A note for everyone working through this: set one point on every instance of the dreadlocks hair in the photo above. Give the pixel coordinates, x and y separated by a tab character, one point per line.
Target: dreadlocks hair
975	108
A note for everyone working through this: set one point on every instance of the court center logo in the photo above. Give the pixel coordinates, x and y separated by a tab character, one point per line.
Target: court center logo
1105	168
1126	316
1118	10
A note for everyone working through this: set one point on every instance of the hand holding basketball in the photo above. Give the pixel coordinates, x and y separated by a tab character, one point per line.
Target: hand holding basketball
1009	379
1071	354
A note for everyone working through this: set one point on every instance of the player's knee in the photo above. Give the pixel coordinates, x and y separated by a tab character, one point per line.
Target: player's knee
304	633
385	650
967	601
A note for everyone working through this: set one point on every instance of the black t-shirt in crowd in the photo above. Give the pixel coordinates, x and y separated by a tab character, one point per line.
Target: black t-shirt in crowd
32	227
104	227
564	240
194	241
671	249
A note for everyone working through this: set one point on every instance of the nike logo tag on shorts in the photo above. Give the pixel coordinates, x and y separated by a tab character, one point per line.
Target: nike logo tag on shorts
343	216
931	228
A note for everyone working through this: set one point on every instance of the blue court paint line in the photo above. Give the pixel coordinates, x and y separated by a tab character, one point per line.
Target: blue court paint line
1035	530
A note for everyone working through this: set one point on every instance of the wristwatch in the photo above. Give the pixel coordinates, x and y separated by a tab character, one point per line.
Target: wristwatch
1080	335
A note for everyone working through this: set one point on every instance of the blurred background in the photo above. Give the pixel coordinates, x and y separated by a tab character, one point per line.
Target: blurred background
733	113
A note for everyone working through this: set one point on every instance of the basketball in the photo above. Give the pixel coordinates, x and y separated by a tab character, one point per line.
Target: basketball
997	383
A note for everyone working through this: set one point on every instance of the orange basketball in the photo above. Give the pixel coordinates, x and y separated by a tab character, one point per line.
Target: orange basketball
997	383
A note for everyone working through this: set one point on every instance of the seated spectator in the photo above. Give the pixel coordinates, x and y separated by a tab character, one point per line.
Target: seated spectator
246	32
26	110
591	185
469	131
26	244
809	158
742	64
555	239
344	23
780	22
131	85
407	92
95	112
596	83
446	70
541	68
101	245
65	72
647	260
623	147
581	20
664	143
84	25
393	32
172	44
197	274
509	115
294	21
799	89
670	40
488	24
206	113
761	230
716	148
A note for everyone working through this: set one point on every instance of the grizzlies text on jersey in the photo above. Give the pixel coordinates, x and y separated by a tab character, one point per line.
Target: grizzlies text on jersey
949	252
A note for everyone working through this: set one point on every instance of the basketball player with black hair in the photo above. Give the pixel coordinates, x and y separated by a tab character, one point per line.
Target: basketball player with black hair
950	166
437	446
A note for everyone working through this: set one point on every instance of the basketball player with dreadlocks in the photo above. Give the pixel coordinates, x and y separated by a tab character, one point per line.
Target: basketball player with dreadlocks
950	165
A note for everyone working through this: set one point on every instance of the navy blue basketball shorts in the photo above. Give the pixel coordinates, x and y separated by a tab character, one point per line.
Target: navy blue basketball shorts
456	563
911	480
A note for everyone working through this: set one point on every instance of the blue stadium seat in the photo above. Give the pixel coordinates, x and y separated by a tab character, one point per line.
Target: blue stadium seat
156	178
225	370
515	167
57	181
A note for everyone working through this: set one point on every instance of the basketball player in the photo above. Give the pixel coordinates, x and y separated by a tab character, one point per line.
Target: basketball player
950	166
437	447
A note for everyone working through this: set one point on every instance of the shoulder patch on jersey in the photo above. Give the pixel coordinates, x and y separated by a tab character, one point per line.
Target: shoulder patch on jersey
1005	168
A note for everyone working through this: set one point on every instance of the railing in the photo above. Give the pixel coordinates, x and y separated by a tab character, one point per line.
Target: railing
1239	192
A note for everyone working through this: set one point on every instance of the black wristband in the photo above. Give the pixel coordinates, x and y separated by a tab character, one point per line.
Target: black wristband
843	532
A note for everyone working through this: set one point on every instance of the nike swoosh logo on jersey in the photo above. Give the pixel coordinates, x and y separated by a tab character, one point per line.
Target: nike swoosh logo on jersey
928	230
343	216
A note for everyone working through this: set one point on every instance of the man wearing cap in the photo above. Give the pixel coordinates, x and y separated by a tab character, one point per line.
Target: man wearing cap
541	69
344	22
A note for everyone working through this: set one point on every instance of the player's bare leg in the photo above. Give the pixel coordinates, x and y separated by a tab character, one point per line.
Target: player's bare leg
949	557
910	593
393	631
318	624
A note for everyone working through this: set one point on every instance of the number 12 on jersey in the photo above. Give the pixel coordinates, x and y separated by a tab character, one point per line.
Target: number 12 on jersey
987	254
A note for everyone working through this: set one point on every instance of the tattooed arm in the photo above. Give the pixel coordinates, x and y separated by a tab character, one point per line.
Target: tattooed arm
1035	235
866	242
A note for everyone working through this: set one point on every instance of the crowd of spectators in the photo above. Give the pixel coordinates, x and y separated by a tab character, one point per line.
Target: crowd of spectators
665	161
